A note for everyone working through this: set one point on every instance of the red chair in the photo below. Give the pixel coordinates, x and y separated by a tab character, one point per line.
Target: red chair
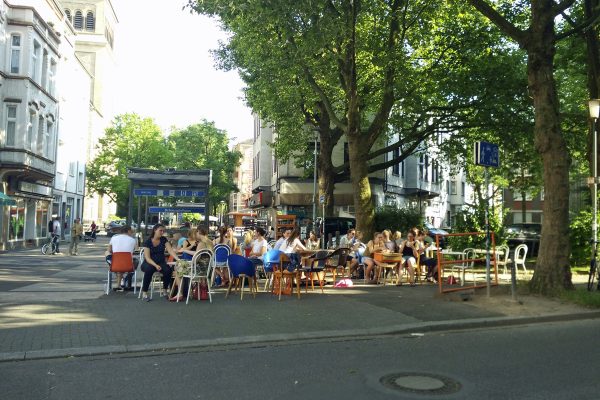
121	262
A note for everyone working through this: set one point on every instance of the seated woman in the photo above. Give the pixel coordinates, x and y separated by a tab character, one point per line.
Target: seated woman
430	263
221	268
312	243
388	242
372	266
259	247
190	244
291	246
154	259
233	241
410	251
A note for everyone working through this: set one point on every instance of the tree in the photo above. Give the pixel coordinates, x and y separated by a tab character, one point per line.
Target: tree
371	71
203	146
531	24
131	141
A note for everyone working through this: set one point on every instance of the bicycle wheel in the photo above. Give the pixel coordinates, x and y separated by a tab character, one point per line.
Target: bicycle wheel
45	248
592	275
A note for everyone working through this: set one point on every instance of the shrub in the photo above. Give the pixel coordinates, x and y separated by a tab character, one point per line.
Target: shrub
580	233
396	219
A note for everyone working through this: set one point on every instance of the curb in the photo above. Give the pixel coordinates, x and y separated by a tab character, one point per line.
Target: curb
279	339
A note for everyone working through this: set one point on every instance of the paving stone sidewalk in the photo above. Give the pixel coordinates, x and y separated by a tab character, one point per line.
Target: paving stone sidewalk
55	306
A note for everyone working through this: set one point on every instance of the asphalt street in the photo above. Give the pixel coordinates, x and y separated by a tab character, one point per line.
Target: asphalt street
542	361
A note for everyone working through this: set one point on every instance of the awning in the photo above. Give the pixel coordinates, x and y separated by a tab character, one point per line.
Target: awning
6	200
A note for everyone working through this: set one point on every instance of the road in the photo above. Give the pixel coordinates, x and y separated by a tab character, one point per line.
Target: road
539	361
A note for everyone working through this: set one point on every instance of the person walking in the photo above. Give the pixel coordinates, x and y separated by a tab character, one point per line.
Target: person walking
76	232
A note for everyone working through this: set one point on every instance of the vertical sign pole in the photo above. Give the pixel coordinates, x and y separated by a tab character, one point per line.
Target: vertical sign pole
487	233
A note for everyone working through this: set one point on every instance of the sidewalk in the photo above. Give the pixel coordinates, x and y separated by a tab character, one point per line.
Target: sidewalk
54	306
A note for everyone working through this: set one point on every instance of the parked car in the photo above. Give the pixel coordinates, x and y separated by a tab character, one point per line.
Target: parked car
114	227
528	234
333	225
436	231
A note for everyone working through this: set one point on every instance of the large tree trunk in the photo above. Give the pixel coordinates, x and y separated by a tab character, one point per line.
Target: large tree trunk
359	173
327	173
552	270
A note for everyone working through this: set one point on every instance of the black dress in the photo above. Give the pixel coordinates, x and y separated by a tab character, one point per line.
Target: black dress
157	254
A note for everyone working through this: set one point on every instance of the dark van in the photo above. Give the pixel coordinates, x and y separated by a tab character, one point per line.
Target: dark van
337	224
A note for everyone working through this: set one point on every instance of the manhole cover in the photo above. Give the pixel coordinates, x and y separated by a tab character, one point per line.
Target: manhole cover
420	383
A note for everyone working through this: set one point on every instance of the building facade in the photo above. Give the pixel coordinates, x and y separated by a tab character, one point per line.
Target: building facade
95	23
422	181
31	50
242	177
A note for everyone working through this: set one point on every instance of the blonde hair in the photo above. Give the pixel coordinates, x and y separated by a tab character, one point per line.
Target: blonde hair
386	234
397	235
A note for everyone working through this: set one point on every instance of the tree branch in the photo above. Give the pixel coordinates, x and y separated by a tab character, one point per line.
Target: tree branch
505	26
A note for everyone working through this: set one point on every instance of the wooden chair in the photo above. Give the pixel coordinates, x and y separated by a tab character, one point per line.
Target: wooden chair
339	259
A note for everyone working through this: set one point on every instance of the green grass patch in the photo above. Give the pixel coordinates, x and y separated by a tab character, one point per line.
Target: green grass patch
582	297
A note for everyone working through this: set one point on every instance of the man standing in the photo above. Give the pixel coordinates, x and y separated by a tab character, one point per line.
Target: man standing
123	242
57	231
76	232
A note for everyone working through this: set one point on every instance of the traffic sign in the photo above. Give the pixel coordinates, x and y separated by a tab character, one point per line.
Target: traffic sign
176	210
487	154
322	199
169	192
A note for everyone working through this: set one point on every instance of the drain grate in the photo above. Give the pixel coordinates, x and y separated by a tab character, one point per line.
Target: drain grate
420	383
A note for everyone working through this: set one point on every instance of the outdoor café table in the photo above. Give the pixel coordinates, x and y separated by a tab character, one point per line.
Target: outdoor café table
388	261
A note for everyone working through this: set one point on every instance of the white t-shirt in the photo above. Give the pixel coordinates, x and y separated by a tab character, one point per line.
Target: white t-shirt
56	228
122	243
290	248
280	242
258	244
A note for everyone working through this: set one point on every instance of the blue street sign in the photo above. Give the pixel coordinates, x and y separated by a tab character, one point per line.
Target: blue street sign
170	192
176	210
322	199
487	154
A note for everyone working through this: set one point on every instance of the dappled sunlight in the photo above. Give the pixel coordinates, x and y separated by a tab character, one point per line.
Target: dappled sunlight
32	315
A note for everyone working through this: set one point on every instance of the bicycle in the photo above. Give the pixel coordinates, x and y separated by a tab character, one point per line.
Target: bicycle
51	246
594	271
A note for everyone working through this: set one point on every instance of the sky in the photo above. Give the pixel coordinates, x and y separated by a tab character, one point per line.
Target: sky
165	70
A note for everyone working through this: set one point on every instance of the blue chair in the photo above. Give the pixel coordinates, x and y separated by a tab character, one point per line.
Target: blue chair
271	261
275	262
220	260
241	268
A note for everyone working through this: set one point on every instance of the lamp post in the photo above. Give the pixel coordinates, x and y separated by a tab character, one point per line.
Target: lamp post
314	210
594	107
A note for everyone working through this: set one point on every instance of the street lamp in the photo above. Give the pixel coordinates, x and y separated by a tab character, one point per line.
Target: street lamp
314	210
594	107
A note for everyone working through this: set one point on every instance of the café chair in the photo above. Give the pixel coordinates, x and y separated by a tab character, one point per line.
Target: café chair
338	260
200	268
316	265
241	268
121	262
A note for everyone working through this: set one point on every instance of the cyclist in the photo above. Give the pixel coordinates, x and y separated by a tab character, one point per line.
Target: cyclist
56	232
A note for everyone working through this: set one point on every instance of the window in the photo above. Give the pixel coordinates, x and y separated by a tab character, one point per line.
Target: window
48	140
396	167
41	219
68	15
72	167
421	167
29	140
15	54
452	187
51	77
44	82
346	153
78	20
16	223
275	165
40	135
518	196
80	184
35	61
90	23
462	189
11	125
426	169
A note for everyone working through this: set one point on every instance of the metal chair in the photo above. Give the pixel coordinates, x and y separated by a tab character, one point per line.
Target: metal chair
502	259
338	260
220	259
316	265
200	268
468	256
241	268
520	257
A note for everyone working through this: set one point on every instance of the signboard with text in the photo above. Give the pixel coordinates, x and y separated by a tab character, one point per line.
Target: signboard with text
154	210
487	154
169	192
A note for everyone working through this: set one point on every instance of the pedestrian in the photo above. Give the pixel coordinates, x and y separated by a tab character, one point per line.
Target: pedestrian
76	232
56	232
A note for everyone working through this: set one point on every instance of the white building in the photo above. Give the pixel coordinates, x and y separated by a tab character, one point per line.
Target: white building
423	181
31	48
94	22
242	177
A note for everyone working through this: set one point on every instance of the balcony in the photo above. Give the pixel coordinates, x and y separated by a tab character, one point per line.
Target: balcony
37	166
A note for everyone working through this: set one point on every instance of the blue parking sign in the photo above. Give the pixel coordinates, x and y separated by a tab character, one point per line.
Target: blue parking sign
487	154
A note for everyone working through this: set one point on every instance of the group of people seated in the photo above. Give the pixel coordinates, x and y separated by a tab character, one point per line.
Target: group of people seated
159	249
